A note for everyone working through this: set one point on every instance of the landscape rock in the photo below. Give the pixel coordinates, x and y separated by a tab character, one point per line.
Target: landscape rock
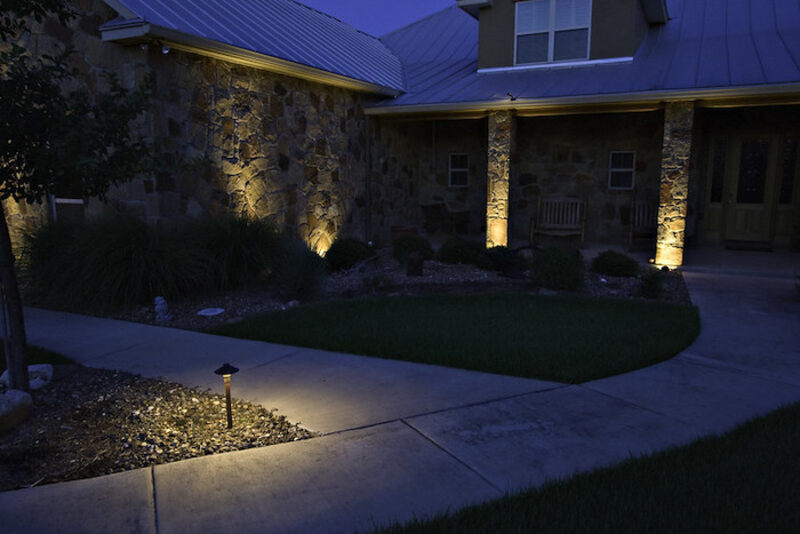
39	375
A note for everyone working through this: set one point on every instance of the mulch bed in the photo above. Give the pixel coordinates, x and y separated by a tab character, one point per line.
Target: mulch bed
92	422
385	276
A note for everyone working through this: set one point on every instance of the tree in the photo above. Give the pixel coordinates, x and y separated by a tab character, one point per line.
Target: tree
53	139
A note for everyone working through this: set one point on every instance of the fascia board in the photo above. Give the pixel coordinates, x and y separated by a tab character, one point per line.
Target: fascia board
782	94
232	54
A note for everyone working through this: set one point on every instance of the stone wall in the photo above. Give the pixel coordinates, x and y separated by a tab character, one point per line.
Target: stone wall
410	181
250	142
569	155
674	184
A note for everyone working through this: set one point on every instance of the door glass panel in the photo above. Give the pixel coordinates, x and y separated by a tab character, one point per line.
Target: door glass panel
788	165
718	171
753	171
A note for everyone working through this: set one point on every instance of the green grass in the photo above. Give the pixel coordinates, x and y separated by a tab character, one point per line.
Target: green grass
743	481
35	355
566	339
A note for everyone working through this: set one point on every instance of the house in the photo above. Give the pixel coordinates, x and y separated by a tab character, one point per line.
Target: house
462	121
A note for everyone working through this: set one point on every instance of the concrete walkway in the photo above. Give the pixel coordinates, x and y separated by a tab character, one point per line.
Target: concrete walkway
402	440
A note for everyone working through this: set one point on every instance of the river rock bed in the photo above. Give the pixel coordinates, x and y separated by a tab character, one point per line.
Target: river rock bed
92	422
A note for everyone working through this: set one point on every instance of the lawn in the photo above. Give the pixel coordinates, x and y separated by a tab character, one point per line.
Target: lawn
35	355
565	339
743	481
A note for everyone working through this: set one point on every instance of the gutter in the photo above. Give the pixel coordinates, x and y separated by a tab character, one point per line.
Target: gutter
777	94
138	30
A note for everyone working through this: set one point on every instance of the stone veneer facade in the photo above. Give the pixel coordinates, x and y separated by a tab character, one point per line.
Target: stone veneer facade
569	155
501	139
306	156
253	143
674	191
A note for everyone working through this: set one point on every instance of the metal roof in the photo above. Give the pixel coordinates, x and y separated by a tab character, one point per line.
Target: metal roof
283	29
707	45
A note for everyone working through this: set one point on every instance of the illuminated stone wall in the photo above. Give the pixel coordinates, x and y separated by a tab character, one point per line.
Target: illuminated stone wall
252	143
674	191
501	131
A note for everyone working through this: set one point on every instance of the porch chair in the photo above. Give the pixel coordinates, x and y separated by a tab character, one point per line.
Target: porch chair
644	214
559	216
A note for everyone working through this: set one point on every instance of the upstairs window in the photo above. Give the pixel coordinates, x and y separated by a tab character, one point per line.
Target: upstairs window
552	30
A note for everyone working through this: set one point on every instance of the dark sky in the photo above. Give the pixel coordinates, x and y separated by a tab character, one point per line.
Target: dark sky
378	17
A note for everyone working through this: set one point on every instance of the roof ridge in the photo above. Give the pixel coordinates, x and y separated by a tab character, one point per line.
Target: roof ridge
301	4
423	19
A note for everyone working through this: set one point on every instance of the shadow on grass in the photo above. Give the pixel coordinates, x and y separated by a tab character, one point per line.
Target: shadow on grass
35	355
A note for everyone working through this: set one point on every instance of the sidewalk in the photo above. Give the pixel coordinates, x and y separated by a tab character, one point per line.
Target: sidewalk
403	440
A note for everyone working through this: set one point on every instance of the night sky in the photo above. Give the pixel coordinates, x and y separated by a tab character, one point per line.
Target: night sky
378	17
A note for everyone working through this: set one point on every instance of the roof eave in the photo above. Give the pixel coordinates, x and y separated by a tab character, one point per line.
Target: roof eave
134	31
656	11
777	94
473	6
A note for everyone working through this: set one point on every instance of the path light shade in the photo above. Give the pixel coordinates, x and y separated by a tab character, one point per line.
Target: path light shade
226	371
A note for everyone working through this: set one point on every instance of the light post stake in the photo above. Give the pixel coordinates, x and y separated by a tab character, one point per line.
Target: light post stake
226	371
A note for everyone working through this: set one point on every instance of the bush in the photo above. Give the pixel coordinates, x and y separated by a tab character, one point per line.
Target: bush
458	250
503	260
116	260
652	284
237	249
347	252
612	263
405	245
557	268
300	272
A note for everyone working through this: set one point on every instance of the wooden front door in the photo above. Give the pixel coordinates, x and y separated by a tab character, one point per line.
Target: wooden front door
750	189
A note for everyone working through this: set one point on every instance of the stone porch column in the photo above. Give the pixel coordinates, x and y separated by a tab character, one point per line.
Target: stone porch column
675	153
499	169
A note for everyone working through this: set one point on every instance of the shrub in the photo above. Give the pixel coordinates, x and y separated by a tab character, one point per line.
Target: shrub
299	272
652	284
116	260
407	244
503	260
347	252
458	250
557	268
237	249
613	263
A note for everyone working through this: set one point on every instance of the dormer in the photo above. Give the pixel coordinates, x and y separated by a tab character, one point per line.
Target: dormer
522	33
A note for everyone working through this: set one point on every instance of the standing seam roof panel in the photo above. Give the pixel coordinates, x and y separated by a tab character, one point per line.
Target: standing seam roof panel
307	36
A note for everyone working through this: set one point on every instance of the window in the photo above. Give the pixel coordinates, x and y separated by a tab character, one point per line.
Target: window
621	167
552	30
459	170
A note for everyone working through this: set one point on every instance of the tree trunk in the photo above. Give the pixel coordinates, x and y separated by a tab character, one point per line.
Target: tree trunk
15	356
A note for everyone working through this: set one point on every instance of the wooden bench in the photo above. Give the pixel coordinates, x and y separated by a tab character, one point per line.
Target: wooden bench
559	216
644	217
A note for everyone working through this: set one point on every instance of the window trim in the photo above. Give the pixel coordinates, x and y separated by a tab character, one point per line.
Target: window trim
551	35
450	169
631	169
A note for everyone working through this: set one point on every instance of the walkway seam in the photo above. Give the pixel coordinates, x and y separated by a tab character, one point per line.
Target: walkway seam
402	418
453	456
106	354
734	369
155	500
702	432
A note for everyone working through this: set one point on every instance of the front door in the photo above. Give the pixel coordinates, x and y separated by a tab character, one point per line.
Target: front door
750	189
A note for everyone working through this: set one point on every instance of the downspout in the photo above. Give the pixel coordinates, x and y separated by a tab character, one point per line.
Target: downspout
368	185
